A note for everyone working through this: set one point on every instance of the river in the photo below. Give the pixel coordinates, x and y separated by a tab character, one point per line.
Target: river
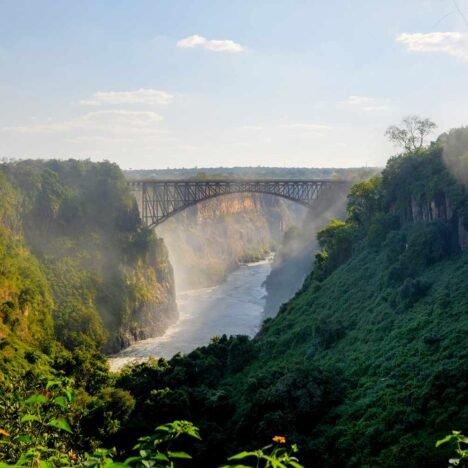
235	307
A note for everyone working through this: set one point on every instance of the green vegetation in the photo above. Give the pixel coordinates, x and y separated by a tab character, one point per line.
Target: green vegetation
365	366
40	435
78	275
460	441
72	246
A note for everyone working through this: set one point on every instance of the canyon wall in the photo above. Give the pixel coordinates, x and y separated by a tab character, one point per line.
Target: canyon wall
77	260
295	256
211	239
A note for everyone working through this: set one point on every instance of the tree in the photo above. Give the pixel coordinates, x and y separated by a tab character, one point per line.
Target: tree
363	201
411	133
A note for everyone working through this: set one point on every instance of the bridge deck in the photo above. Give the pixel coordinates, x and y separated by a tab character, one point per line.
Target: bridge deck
159	199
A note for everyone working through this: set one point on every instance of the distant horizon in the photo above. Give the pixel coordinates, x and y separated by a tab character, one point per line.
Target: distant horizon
250	167
181	168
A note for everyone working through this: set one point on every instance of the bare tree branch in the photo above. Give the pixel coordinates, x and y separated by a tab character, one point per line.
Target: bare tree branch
411	133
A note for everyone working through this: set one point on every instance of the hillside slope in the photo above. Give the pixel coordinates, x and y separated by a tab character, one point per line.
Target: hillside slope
383	318
367	364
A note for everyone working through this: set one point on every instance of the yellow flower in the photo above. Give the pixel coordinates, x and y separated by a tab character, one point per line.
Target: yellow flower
279	439
4	433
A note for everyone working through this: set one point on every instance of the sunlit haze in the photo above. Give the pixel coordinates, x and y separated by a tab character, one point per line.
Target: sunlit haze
153	84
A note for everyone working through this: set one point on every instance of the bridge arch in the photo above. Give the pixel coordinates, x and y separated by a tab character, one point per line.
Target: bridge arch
158	200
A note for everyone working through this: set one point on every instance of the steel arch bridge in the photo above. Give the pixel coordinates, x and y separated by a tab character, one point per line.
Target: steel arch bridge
158	200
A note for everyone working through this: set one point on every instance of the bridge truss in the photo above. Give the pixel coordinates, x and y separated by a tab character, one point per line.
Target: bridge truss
158	200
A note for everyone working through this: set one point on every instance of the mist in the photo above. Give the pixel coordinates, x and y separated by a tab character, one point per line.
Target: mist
209	241
294	260
454	153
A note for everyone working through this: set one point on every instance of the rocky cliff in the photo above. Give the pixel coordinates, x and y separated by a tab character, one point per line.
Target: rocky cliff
154	307
444	197
78	257
437	208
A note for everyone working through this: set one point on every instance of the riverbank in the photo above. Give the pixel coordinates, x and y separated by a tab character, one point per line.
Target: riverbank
234	307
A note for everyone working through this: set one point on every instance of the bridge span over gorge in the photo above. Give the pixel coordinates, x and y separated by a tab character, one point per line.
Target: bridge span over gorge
159	199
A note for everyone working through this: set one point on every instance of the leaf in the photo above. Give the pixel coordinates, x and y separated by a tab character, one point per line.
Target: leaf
61	401
161	456
39	398
132	460
45	464
236	466
24	459
179	455
446	439
30	417
24	438
242	455
53	383
163	428
68	393
61	424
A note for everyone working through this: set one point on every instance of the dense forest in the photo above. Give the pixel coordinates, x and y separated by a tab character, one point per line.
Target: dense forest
365	366
76	258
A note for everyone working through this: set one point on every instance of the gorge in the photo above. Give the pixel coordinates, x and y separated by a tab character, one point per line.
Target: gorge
233	234
364	365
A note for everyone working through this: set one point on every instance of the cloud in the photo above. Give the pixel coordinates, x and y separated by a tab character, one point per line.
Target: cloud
214	45
451	43
107	122
140	96
103	134
358	100
367	103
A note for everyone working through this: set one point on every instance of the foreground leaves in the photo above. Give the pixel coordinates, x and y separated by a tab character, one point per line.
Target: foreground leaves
457	439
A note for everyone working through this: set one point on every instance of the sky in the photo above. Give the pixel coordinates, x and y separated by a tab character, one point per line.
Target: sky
185	83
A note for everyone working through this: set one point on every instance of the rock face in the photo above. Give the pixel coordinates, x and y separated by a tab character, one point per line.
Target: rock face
155	309
437	208
463	232
209	240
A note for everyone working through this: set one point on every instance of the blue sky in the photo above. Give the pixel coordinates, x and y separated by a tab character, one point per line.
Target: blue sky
174	83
